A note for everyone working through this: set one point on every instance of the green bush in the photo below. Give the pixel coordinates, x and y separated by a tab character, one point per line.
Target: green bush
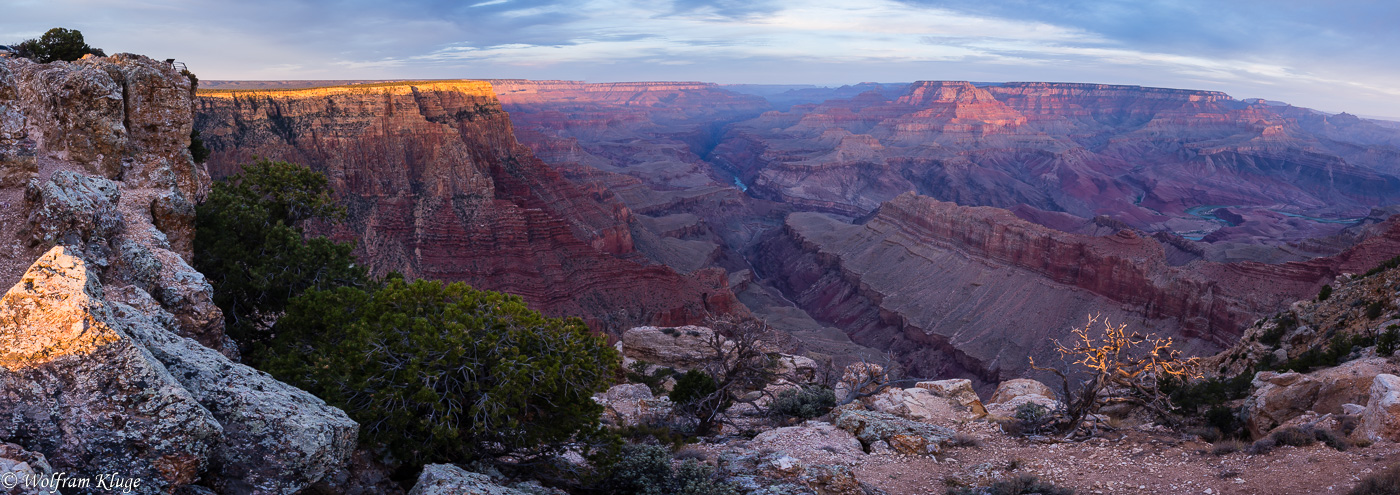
58	44
444	373
647	470
1325	293
197	149
637	373
1375	309
1032	418
692	386
1385	344
1383	266
806	402
1024	484
249	243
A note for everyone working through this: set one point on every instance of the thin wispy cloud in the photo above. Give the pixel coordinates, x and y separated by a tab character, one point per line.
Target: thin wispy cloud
1331	57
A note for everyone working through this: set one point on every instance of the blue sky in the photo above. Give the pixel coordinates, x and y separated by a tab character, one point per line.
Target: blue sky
1333	56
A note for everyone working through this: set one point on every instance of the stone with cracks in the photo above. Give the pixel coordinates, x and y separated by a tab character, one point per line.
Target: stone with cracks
446	479
277	438
1381	419
76	387
903	435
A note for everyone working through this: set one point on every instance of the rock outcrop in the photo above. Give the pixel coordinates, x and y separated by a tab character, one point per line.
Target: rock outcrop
446	479
904	436
76	387
437	187
1381	418
114	358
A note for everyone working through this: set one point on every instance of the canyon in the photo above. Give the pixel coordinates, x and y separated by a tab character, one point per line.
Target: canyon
956	228
437	187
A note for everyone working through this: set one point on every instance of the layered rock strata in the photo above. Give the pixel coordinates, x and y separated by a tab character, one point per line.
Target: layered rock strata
1146	156
975	290
437	187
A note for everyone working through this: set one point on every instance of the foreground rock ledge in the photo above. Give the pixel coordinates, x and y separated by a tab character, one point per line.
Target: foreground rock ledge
98	381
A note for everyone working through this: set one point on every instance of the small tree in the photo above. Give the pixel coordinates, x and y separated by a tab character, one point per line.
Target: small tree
249	241
738	365
1123	368
445	373
58	44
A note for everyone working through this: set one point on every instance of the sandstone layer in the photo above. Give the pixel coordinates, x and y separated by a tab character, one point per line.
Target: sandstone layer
437	187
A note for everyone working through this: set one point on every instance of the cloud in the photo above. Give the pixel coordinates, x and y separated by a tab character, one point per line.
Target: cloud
1335	56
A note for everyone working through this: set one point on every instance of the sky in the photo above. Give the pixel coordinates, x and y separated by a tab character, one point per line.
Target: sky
1329	55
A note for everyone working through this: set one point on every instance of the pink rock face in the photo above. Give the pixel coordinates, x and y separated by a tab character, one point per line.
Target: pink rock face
437	187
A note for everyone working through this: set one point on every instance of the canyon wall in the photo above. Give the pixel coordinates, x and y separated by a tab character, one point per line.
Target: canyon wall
1146	156
437	187
957	290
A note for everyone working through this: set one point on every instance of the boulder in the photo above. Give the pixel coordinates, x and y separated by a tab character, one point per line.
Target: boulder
72	208
1381	419
903	435
362	474
869	377
631	404
681	348
76	387
917	404
18	467
798	369
446	479
813	434
827	479
958	390
1277	398
1012	389
276	438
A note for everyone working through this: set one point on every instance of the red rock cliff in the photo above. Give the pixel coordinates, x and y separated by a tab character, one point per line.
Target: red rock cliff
438	187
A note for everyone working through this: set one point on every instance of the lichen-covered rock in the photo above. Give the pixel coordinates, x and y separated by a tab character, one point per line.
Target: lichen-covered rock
958	390
72	208
17	466
276	438
1012	389
77	388
78	113
363	474
905	436
1381	419
173	214
446	479
828	479
676	347
917	404
812	434
631	404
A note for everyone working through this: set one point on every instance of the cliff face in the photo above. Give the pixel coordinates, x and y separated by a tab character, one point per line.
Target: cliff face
438	187
1146	156
957	289
112	354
